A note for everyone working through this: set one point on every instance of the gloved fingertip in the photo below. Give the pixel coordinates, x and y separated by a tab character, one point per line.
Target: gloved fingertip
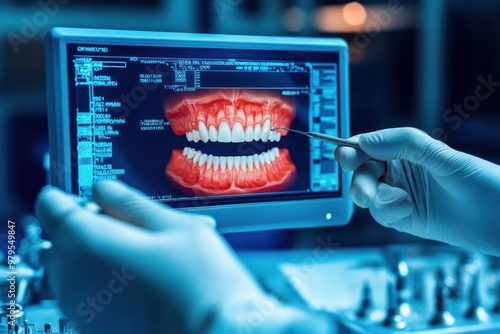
337	155
45	189
105	184
360	198
194	218
406	208
370	142
210	221
363	139
52	204
41	194
44	196
104	191
348	158
391	205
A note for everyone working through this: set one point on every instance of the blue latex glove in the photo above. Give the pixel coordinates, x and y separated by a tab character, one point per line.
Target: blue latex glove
142	267
421	186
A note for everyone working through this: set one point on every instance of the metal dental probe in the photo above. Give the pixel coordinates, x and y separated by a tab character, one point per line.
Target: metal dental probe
323	137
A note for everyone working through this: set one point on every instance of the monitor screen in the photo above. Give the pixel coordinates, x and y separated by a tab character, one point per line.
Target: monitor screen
194	125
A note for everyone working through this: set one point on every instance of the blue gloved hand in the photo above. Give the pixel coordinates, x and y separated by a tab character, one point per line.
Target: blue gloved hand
142	267
419	185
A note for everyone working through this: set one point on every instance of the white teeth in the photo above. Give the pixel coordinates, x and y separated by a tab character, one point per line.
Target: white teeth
212	133
222	163
237	135
202	128
196	136
261	159
230	161
237	162
271	136
257	132
224	135
267	158
244	163
272	155
274	136
256	161
266	129
196	157
203	159
249	134
250	162
210	161
216	163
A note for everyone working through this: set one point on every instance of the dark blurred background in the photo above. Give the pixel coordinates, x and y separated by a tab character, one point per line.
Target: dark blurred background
413	63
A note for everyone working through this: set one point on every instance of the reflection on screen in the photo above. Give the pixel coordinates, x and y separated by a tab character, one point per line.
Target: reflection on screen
183	124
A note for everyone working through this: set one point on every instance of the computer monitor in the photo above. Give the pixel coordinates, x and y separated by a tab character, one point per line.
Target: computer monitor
188	119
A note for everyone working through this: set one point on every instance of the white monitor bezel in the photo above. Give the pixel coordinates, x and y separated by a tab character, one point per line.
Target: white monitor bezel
230	218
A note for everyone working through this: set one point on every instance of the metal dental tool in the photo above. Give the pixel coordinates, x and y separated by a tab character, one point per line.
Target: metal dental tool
323	137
